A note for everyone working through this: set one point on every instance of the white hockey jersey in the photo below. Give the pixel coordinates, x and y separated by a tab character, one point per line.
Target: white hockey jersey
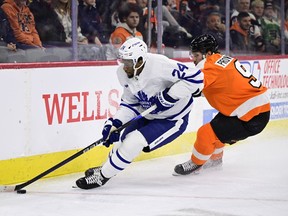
158	74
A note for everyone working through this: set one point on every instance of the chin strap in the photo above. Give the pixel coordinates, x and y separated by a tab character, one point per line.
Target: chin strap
136	69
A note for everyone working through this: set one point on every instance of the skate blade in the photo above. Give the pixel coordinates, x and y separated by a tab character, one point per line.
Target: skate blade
197	172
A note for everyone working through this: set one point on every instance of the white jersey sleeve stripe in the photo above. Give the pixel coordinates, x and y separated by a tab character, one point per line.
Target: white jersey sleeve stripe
250	104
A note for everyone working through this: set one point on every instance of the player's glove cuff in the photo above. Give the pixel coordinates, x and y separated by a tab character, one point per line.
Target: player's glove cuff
164	101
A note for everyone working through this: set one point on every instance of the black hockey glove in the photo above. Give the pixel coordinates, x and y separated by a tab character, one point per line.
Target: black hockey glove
163	101
109	133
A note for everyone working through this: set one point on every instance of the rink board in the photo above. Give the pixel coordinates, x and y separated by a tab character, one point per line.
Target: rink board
25	168
60	108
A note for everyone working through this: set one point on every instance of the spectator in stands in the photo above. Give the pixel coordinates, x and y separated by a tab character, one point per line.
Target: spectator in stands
216	28
170	25
172	22
186	18
115	20
6	32
143	24
240	6
90	22
63	11
200	8
241	37
22	23
257	9
171	4
129	16
270	29
50	29
244	6
105	10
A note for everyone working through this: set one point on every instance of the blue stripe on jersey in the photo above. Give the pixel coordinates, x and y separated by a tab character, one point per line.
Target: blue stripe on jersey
196	81
184	109
196	74
190	78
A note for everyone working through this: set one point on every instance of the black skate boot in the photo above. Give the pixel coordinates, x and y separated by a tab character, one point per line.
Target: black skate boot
214	164
91	171
186	168
93	181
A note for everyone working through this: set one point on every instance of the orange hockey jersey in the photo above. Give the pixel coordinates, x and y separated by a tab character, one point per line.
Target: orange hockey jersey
233	90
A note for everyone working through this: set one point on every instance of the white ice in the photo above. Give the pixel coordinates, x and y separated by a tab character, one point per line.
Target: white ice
252	182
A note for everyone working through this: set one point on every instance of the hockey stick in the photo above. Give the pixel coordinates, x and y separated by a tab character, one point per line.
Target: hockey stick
7	188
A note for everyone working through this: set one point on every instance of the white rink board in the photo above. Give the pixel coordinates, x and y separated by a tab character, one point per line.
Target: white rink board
26	129
86	96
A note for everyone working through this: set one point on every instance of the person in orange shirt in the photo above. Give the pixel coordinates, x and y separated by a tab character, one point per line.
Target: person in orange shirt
129	15
22	22
241	101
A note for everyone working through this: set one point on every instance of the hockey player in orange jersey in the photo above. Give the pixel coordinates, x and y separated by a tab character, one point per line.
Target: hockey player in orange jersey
241	101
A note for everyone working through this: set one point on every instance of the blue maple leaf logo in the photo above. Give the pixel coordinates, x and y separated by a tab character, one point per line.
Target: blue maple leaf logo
143	99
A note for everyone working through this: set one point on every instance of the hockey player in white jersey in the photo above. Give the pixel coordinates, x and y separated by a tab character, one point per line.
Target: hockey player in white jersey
147	79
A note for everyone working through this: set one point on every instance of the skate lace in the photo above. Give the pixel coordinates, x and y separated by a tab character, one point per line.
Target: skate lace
189	165
96	169
96	178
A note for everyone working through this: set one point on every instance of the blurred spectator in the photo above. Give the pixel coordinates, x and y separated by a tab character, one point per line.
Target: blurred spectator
257	9
63	11
129	15
286	27
270	29
202	7
50	29
6	32
22	22
91	23
215	27
185	17
241	37
170	21
199	9
240	6
171	4
244	6
173	33
116	5
143	24
105	10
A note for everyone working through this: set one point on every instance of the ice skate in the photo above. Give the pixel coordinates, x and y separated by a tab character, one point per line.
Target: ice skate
186	168
213	164
92	170
92	181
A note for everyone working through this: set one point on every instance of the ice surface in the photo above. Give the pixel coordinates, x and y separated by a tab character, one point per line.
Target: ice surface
252	182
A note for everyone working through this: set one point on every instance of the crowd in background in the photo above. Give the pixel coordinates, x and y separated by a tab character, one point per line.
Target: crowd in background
41	30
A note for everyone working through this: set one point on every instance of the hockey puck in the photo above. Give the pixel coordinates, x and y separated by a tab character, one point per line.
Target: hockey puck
21	191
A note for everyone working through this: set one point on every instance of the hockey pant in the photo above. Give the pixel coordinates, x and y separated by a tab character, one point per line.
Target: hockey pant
144	133
223	129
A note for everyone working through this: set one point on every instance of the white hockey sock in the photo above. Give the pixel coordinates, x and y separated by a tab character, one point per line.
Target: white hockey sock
123	156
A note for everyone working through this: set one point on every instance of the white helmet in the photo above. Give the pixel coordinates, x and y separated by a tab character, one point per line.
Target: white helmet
133	49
